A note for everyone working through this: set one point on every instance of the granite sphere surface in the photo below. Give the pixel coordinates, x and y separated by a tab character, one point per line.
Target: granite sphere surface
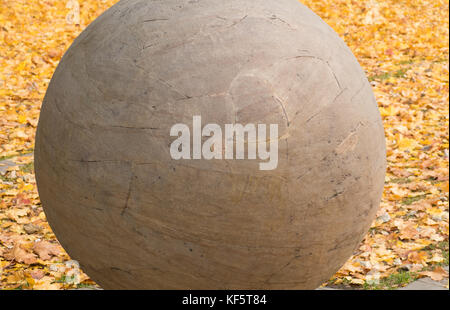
136	218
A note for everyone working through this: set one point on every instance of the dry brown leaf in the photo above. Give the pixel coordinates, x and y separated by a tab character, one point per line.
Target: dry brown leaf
46	250
409	232
47	283
20	255
37	274
417	257
438	274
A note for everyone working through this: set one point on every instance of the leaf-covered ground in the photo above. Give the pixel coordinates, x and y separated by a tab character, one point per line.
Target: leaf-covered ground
402	45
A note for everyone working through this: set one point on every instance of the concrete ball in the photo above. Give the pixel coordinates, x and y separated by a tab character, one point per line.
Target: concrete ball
136	218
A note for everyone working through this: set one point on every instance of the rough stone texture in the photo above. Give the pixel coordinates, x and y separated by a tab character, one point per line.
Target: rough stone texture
135	218
426	284
5	165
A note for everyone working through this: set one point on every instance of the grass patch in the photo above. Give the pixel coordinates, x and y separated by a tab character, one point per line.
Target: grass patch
5	179
400	180
409	200
381	77
65	279
26	152
443	246
394	281
445	254
85	285
406	62
27	168
7	157
401	73
433	181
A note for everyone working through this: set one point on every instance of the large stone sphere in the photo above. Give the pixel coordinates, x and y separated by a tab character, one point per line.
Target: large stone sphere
137	218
